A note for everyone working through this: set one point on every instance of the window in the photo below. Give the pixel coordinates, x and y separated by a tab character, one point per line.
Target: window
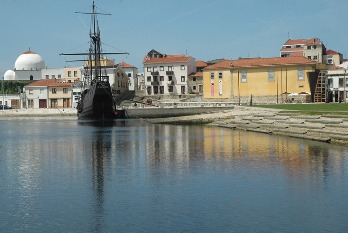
161	78
59	76
243	76
31	78
300	74
340	82
170	88
53	76
149	78
170	78
75	73
161	68
54	90
41	91
194	79
194	88
30	92
212	76
309	47
155	69
161	89
129	75
148	69
54	103
65	90
69	73
220	75
182	78
30	103
329	62
329	82
309	57
346	82
182	67
47	76
315	58
170	68
298	46
270	75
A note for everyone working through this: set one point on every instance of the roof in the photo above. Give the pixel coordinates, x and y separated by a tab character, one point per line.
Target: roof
201	64
311	41
168	59
125	65
331	52
29	52
261	62
198	74
49	83
291	49
337	68
296	54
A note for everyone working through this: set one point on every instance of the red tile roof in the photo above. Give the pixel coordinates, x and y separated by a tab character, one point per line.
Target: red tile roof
292	49
201	64
261	62
49	83
337	68
311	41
297	54
331	52
198	74
168	59
125	65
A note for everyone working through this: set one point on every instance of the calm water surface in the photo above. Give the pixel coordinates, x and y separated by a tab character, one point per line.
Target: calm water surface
132	176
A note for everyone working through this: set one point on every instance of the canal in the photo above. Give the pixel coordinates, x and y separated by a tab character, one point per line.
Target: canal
133	176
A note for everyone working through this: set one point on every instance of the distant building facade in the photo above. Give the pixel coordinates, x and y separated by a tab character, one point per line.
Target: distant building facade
48	93
337	84
261	80
195	80
167	74
132	73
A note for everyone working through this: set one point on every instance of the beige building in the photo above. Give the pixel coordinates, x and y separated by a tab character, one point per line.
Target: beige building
48	93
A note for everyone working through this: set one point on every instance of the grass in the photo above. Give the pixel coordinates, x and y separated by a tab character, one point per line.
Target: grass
311	109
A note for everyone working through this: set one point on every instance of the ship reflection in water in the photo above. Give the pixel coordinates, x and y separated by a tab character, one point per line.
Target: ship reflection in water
133	176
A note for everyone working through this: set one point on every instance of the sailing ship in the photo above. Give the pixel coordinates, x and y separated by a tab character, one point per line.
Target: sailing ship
96	101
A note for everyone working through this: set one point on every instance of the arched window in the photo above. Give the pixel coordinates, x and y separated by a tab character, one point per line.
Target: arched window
31	78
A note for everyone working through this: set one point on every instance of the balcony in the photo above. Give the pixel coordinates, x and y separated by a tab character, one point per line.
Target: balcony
155	73
169	72
155	83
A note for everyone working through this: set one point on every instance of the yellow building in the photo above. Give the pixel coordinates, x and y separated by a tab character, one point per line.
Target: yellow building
262	80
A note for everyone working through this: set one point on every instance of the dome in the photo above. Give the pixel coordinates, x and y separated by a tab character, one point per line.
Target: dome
9	75
29	61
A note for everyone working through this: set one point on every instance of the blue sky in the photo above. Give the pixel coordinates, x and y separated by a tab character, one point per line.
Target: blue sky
204	29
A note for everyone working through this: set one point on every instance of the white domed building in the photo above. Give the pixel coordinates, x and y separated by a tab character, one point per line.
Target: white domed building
28	66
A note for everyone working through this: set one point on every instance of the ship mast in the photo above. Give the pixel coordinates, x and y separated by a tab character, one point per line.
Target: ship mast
94	54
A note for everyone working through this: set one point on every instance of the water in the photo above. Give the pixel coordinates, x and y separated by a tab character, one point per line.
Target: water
132	176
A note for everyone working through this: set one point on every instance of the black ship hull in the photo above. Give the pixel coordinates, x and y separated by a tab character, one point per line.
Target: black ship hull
97	103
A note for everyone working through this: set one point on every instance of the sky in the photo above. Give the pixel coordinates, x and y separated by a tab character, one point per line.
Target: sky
203	29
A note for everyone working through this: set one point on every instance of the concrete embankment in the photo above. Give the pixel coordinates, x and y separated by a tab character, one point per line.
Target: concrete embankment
324	128
55	113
